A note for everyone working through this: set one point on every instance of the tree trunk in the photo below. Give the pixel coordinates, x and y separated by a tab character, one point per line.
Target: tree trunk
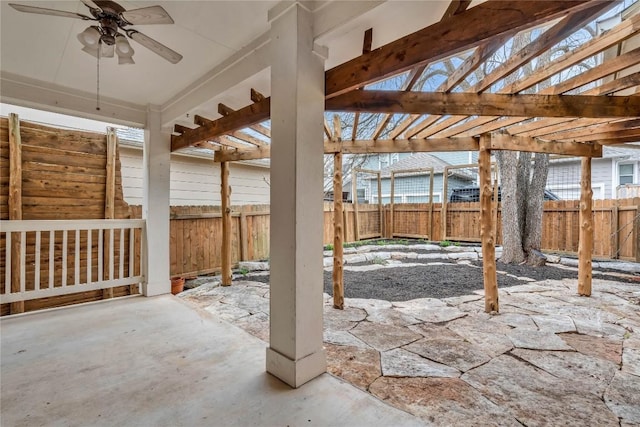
535	202
511	229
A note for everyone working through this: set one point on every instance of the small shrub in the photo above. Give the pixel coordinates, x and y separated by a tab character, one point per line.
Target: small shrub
445	243
328	247
244	271
379	261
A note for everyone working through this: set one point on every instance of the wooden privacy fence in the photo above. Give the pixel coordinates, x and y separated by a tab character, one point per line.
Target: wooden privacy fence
196	231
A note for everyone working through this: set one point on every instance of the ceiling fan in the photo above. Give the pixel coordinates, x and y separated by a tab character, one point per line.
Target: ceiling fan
108	36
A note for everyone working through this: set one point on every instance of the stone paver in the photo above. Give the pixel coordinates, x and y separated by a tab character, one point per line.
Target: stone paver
587	372
536	397
359	366
459	354
403	363
384	337
603	348
441	401
549	357
623	397
537	340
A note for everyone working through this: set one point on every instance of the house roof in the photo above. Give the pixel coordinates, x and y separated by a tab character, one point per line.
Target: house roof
416	161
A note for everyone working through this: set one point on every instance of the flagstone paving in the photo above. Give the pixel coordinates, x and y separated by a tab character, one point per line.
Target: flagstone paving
549	358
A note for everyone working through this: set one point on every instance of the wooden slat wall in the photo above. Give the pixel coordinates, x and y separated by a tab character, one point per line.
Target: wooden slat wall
196	232
63	177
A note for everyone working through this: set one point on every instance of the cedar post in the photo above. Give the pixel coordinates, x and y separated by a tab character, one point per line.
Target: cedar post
109	203
338	236
226	223
338	225
585	246
15	205
486	228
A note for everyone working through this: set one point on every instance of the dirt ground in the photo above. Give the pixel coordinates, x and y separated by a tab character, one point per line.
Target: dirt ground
443	278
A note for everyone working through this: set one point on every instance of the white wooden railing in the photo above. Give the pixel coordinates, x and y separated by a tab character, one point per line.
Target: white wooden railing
102	241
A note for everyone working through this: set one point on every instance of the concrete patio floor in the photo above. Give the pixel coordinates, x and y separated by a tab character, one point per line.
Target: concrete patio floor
550	358
158	362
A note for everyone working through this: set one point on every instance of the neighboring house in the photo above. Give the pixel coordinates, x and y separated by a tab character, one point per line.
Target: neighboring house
195	178
615	175
414	187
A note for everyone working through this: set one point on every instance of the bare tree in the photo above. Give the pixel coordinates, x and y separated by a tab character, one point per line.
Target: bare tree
523	181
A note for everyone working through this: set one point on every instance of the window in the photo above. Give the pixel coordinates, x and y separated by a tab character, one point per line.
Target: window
625	173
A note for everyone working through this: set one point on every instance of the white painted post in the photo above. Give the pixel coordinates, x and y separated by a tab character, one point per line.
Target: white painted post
155	205
295	353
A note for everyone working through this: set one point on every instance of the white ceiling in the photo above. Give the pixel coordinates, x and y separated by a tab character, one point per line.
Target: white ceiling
44	52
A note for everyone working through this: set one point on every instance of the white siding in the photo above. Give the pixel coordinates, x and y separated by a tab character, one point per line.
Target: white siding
564	179
196	181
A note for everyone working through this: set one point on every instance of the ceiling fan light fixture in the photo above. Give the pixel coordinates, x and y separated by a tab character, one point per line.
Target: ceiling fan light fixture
90	37
107	51
125	60
123	48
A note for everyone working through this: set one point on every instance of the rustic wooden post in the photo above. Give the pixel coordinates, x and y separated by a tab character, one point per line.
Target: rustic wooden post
338	225
15	205
585	245
226	223
109	204
486	227
354	200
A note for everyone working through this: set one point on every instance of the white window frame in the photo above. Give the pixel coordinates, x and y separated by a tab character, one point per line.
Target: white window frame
616	172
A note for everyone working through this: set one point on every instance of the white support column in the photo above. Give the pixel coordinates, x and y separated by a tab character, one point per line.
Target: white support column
295	353
155	205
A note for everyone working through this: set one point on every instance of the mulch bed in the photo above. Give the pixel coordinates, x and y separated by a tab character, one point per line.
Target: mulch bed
439	281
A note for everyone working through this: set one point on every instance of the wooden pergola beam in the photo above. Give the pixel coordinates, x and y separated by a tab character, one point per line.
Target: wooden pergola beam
589	131
485	104
493	18
470	28
402	145
456	7
503	141
244	117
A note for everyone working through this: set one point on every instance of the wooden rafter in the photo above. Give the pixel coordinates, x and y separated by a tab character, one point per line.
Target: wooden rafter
594	130
485	104
487	124
470	29
456	7
553	35
592	47
480	55
493	18
501	141
366	48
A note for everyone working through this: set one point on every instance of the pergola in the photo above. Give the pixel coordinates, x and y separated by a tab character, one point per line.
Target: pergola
573	114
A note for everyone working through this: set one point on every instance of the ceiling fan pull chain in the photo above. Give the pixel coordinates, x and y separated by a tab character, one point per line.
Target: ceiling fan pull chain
98	78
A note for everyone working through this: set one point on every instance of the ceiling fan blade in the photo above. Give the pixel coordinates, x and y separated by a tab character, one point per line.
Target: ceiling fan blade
147	15
45	11
90	4
155	46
